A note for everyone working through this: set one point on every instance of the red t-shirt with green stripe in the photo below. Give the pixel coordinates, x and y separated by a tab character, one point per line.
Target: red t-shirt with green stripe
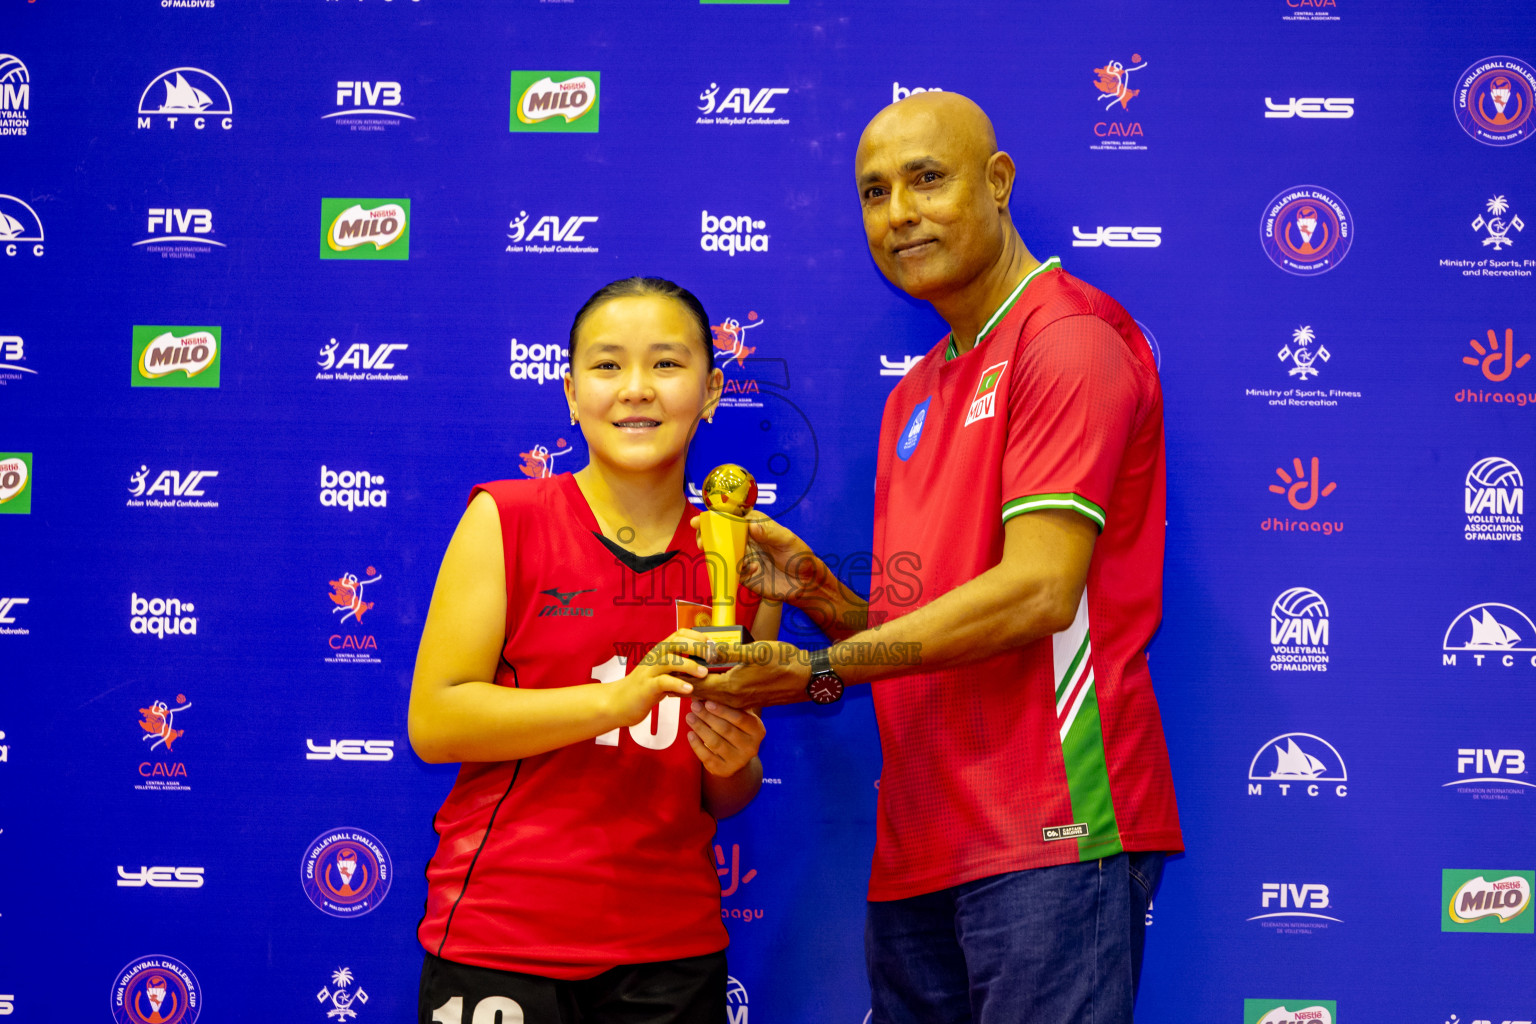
1053	752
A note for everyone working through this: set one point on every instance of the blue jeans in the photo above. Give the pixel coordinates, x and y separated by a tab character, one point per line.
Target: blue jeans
1056	945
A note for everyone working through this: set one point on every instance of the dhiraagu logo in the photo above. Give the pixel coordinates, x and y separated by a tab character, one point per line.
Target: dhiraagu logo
365	229
1486	901
15	482
555	101
175	357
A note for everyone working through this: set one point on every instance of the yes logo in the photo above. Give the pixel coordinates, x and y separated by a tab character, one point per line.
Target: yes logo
16	482
175	357
349	227
1117	238
1486	901
1310	106
159	877
555	101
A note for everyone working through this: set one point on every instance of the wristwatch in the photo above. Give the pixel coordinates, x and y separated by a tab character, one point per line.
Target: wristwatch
826	686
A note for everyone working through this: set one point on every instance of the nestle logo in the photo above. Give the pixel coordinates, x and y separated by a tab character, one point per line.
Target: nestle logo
1050	835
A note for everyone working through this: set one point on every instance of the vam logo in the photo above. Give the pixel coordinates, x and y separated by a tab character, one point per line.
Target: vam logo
1487	773
1117	238
360	361
179	233
735	1001
1113	84
1494	500
1501	633
352	489
1330	107
555	233
175	357
159	877
346	872
351	750
731	235
1298	759
367	106
1279	1011
13	352
186	94
1486	901
1298	632
748	106
1493	100
1291	909
157	726
156	990
21	229
1306	230
555	101
15	482
349	226
161	617
15	95
171	487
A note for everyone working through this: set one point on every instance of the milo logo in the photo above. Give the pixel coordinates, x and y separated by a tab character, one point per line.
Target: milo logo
560	101
176	357
365	229
15	482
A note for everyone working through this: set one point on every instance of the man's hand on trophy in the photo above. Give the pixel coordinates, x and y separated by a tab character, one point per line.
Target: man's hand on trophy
765	673
778	565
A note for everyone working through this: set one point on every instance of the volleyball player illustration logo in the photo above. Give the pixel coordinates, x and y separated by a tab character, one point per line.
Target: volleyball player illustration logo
159	722
346	872
1493	100
347	594
156	990
539	461
1113	82
729	337
1306	230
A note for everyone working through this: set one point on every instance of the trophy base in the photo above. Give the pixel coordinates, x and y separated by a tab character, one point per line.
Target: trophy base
723	634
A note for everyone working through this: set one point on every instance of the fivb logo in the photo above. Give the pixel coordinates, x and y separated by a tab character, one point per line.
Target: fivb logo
21	229
1289	901
1486	901
159	877
747	105
170	486
554	232
731	235
1489	765
1298	632
1299	759
352	489
192	226
15	95
555	101
351	750
539	363
377	100
8	626
175	357
360	361
349	226
13	351
1494	500
161	617
1501	633
1117	238
186	94
1311	107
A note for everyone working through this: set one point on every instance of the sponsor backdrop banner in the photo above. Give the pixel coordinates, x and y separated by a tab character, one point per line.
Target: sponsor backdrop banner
235	437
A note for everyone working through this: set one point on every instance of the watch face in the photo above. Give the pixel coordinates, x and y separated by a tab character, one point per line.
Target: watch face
825	689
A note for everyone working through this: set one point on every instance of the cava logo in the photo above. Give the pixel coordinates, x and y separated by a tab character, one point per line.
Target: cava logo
15	482
1117	238
1486	901
159	878
1493	100
1488	773
747	106
156	990
365	229
158	726
1298	759
161	617
1289	1011
548	234
21	229
170	489
1287	908
1310	10
555	101
1298	632
351	750
15	95
8	626
539	461
1306	230
1331	108
360	361
349	598
1112	82
1500	633
368	106
13	352
183	97
179	233
175	357
740	391
1494	501
539	363
731	235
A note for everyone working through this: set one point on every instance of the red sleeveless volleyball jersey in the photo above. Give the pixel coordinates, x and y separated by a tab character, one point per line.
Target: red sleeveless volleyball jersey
595	854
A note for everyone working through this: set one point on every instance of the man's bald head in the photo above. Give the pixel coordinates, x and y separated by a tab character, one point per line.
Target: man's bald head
948	119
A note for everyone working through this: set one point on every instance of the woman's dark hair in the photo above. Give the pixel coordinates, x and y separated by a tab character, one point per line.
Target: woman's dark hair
642	287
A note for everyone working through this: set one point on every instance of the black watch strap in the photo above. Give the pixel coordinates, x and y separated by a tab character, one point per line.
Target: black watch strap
825	686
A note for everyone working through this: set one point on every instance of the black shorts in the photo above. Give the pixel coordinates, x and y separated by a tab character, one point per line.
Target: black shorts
686	991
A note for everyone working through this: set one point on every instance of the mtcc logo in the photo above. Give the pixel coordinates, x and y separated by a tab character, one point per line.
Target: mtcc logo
186	94
15	95
161	617
346	872
1494	500
1117	238
1493	100
555	233
1298	632
21	230
1501	633
1497	227
156	990
731	235
1311	107
745	103
1304	356
1306	230
352	489
1300	759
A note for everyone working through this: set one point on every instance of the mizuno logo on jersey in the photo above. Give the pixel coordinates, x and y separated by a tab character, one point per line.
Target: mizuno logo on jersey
984	404
565	597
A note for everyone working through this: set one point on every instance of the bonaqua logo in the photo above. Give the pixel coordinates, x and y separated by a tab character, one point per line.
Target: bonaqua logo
186	96
1494	500
15	95
352	489
539	362
161	617
731	235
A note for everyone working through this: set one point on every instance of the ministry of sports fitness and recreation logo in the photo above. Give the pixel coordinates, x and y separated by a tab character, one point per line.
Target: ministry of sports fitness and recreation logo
360	362
732	235
21	229
156	990
555	101
349	597
186	97
1494	500
1306	230
179	233
1298	632
549	234
1491	634
1290	908
346	872
1299	760
1115	130
13	352
15	95
343	999
1493	100
176	357
1491	773
538	461
730	336
1498	226
171	488
368	106
1290	1011
15	482
1480	900
741	106
352	489
159	727
1304	358
365	229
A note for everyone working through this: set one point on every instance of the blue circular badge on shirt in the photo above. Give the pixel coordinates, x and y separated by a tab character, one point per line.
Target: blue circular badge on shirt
913	431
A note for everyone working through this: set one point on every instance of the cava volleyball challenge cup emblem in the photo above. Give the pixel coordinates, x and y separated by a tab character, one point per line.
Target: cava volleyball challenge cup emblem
346	872
1306	230
156	990
1493	101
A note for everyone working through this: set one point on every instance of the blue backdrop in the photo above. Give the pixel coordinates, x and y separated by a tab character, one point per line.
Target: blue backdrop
222	440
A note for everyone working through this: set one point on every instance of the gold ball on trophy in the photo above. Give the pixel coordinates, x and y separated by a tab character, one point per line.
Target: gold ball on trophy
730	490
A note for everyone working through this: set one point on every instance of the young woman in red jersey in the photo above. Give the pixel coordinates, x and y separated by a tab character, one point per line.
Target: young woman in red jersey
573	880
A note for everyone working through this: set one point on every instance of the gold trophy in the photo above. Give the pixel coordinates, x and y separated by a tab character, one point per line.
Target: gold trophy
729	494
